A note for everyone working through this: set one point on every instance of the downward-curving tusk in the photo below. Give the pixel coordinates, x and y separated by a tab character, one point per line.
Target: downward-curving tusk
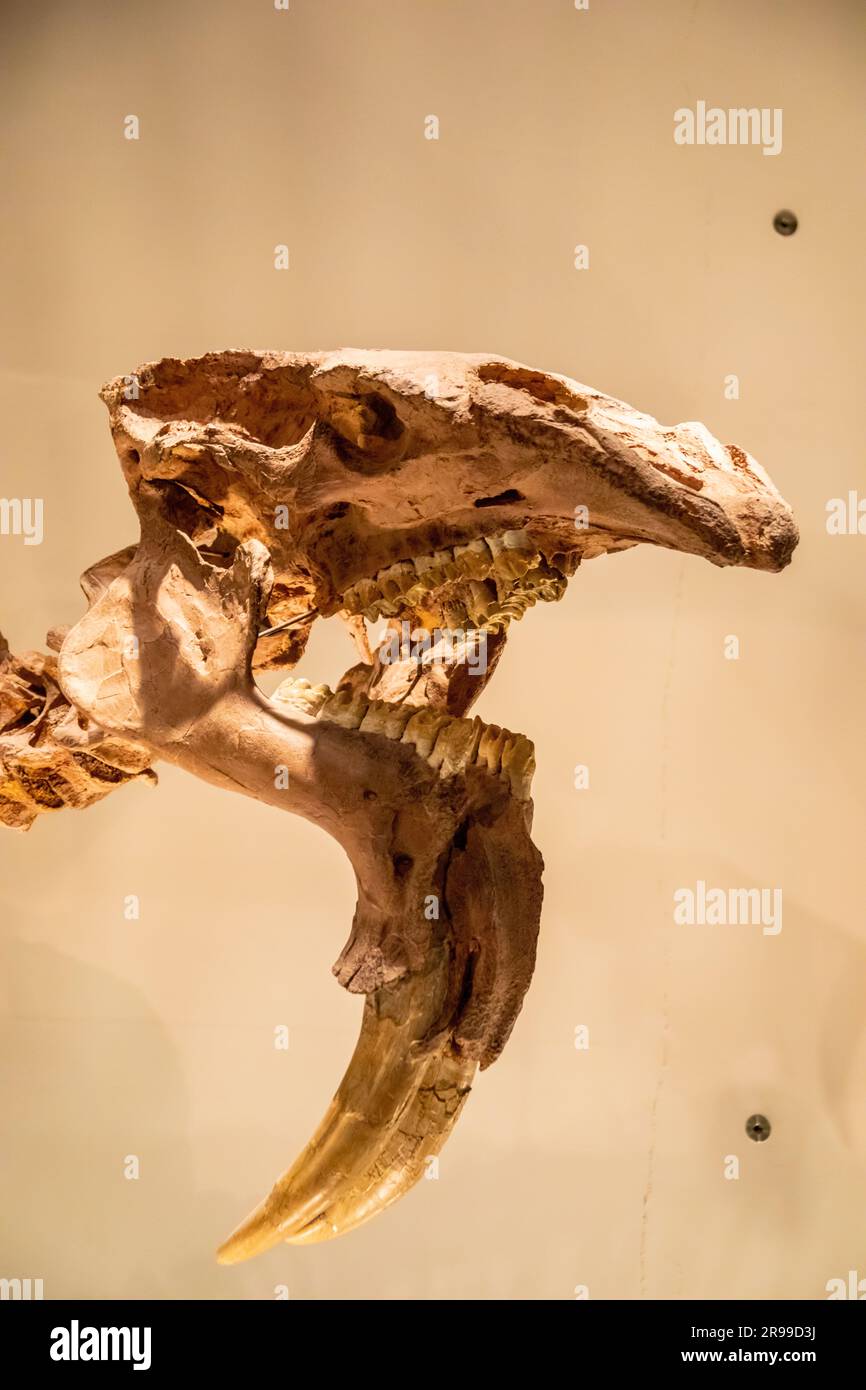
395	1108
434	801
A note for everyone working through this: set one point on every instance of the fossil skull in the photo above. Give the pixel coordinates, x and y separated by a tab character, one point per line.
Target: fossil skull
447	494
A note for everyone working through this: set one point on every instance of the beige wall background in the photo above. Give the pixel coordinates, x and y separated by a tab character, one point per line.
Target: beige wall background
602	1167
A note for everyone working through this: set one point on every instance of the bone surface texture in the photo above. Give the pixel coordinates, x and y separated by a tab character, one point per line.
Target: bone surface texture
447	495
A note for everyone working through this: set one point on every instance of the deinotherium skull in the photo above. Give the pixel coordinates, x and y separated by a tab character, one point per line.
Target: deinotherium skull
446	494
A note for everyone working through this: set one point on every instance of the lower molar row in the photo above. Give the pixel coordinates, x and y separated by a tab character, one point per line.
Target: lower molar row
449	745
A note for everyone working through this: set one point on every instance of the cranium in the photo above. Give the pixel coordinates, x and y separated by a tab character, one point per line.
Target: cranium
441	491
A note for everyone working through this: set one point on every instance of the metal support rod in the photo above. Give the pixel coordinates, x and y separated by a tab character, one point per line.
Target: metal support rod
301	617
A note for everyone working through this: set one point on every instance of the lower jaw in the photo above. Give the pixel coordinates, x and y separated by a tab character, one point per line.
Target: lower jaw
450	745
448	816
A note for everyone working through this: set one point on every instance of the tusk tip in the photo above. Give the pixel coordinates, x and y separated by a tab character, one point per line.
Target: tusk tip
252	1237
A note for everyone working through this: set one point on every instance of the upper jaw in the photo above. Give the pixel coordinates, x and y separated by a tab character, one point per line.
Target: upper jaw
578	485
595	494
373	472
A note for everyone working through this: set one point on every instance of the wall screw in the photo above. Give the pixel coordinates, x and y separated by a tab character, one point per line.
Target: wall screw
785	222
758	1128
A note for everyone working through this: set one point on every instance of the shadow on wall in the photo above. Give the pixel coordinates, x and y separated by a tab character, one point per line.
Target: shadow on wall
602	1168
103	1087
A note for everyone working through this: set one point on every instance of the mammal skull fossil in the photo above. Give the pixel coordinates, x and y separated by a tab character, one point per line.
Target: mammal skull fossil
447	493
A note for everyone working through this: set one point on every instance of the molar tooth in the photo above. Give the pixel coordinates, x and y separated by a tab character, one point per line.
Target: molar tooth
516	555
366	591
518	540
431	568
511	565
490	747
455	746
453	568
519	595
518	764
396	579
423	728
498	618
566	562
382	608
495	545
345	708
511	603
299	694
473	559
541	584
455	615
396	719
558	588
352	602
482	599
551	593
376	719
389	608
416	595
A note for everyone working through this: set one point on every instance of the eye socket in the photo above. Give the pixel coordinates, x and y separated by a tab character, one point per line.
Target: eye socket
367	430
502	499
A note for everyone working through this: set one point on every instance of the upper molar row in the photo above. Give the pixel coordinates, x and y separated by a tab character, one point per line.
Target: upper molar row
509	555
406	584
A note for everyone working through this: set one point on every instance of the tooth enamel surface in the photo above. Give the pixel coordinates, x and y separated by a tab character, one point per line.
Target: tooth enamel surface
393	1111
422	730
455	746
518	764
473	559
482	599
512	564
396	719
432	568
360	596
299	694
346	709
417	595
495	544
396	579
375	721
514	572
455	615
490	747
448	744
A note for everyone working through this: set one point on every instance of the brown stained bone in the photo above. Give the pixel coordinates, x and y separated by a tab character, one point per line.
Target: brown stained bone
343	464
52	758
445	991
440	490
189	695
445	677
